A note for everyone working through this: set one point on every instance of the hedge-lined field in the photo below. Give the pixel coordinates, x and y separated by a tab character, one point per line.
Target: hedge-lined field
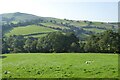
59	65
30	29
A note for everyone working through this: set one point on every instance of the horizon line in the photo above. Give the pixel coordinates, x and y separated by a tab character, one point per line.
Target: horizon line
61	18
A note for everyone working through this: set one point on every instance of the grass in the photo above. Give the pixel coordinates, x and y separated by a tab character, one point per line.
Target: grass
54	25
37	36
96	30
104	25
79	24
20	17
84	35
31	29
63	65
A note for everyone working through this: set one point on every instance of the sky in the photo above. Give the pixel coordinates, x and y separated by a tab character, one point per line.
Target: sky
92	10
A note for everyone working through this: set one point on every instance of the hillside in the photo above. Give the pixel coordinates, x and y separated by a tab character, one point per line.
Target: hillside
17	17
17	24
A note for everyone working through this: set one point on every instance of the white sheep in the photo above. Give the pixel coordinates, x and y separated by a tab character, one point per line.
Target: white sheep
89	62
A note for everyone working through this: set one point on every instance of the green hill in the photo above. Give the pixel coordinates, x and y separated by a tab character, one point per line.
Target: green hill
28	24
17	17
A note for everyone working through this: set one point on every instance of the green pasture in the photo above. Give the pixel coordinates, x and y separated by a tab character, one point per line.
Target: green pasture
30	29
59	65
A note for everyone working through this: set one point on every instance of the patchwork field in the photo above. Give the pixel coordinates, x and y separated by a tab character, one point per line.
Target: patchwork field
13	25
62	65
54	25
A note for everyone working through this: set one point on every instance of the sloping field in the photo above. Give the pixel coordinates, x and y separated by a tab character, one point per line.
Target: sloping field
31	29
54	25
96	30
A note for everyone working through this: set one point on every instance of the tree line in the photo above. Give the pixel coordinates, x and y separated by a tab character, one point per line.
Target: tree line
59	42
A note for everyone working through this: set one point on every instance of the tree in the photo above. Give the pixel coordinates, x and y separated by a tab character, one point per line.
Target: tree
74	47
30	44
15	43
18	43
4	46
43	45
119	30
58	42
107	42
92	45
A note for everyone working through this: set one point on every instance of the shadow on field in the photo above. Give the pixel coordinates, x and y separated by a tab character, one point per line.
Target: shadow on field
1	57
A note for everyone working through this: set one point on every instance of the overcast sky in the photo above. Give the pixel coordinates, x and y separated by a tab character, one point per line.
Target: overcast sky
93	10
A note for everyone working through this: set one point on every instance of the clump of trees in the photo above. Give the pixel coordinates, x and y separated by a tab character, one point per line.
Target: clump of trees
107	42
58	42
53	42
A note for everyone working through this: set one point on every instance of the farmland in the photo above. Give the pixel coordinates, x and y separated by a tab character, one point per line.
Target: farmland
46	47
25	24
30	29
62	65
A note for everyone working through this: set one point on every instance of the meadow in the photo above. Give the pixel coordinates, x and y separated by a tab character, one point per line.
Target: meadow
30	29
59	65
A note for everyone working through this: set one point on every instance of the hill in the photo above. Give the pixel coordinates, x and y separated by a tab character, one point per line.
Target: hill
17	17
12	22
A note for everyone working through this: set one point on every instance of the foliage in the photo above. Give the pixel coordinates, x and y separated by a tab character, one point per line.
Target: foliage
58	42
12	20
107	42
53	42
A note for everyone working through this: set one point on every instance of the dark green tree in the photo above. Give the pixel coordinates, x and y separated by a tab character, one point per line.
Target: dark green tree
30	44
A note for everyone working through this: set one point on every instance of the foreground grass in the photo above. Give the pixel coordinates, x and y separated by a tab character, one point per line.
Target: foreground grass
59	65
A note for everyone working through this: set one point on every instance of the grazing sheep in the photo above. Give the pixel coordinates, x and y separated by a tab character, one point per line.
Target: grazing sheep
89	62
6	72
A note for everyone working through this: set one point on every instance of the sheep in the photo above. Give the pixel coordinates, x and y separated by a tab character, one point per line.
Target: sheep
89	62
6	72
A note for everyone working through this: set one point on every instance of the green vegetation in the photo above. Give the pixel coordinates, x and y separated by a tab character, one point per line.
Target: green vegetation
30	29
54	25
26	33
79	23
52	42
37	36
62	65
12	20
17	17
96	30
107	42
101	24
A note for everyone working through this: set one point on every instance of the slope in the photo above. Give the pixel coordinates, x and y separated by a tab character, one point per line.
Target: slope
13	21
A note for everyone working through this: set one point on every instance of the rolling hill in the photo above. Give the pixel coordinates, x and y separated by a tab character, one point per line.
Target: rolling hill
36	26
17	17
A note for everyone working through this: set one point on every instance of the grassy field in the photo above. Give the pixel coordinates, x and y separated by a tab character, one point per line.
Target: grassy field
96	30
64	65
54	25
80	24
30	29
